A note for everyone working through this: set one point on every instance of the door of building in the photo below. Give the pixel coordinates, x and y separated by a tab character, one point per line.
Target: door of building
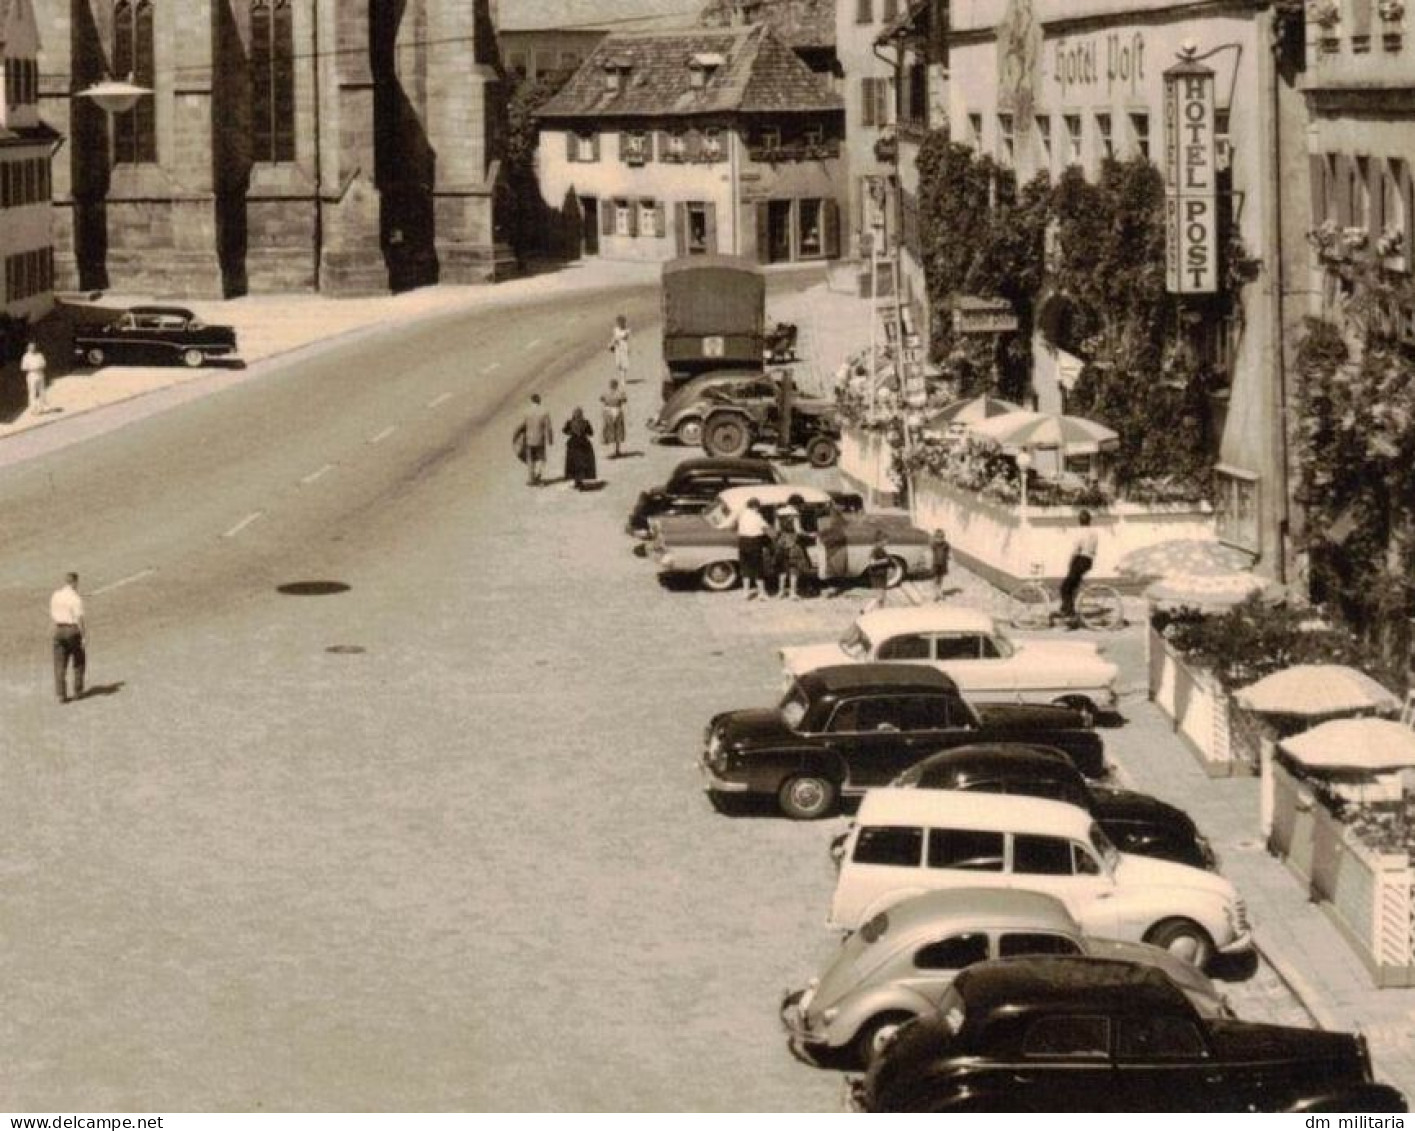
778	229
589	209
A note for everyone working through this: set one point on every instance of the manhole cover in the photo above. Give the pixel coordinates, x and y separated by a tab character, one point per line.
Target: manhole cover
311	588
346	649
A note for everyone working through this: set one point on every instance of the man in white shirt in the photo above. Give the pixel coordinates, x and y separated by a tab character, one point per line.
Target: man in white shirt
66	610
1083	556
752	531
33	364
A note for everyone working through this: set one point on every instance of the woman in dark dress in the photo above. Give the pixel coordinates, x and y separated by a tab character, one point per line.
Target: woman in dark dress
579	452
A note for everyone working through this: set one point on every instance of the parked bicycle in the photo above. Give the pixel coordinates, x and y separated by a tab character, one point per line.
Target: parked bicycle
1034	604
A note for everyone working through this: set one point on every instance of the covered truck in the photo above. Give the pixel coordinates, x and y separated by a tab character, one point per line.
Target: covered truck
714	316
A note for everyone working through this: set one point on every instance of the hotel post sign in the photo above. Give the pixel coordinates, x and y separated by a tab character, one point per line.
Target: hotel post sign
1190	180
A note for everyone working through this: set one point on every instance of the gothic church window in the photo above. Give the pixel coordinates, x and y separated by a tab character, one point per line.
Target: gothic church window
272	81
135	130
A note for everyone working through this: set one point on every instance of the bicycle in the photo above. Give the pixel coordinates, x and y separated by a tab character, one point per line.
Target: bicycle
1033	604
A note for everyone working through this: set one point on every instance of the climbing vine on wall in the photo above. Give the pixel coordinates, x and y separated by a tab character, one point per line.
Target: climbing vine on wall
1089	257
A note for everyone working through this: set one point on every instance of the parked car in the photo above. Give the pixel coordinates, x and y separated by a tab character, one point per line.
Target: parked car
687	406
908	841
1094	1035
841	730
705	546
897	967
696	483
1134	822
968	645
154	335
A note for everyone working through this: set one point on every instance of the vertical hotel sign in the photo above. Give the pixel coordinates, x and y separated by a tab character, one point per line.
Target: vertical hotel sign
1190	180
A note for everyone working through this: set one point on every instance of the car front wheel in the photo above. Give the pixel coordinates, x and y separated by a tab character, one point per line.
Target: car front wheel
193	358
807	797
822	452
875	1036
689	432
95	356
1184	939
720	576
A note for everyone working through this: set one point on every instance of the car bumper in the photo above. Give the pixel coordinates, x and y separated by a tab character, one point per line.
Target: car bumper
803	1045
715	784
1243	944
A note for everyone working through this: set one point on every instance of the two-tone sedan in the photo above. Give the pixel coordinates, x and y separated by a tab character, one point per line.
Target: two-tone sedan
153	335
968	646
705	546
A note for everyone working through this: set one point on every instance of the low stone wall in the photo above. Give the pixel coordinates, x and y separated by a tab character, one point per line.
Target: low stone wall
865	461
994	535
1223	737
1367	894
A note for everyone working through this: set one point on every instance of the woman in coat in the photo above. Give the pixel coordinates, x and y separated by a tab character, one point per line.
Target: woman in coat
579	452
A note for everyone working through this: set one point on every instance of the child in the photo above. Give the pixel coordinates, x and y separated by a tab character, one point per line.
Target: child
939	548
791	548
878	568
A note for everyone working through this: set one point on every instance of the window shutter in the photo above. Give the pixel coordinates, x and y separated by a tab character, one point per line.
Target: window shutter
633	217
1343	190
594	146
867	103
763	233
623	144
694	147
1375	198
1405	186
885	90
864	11
830	228
680	228
572	146
660	220
607	209
660	139
1321	199
711	210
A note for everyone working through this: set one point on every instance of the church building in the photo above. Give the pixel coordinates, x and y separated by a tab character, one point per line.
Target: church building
344	146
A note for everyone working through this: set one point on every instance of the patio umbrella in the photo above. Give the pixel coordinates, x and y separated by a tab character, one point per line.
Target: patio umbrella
1192	556
1313	690
1211	592
1023	430
969	411
1369	745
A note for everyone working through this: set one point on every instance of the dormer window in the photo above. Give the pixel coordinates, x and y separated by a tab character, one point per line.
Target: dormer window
702	65
616	74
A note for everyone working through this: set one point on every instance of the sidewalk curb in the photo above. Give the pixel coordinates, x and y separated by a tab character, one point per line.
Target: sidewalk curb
1297	983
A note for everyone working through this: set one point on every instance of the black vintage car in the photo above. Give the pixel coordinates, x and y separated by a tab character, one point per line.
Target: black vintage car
695	483
1088	1034
163	335
1135	822
844	728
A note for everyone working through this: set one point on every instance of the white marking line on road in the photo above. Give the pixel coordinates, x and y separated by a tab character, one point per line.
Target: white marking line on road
381	436
315	476
245	522
531	344
490	368
441	398
125	581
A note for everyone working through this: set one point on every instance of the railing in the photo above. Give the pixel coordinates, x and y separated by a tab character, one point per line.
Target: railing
780	154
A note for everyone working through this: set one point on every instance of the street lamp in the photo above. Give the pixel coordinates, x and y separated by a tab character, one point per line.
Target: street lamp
114	96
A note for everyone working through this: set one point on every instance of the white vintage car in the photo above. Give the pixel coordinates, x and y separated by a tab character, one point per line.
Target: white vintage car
936	840
966	645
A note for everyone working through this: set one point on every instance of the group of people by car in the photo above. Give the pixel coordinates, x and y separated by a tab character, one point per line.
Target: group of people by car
774	553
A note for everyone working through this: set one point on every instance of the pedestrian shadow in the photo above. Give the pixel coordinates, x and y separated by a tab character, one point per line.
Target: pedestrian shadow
626	455
592	485
103	689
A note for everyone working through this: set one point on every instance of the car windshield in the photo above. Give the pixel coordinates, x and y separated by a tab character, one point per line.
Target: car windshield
719	516
855	643
1104	848
793	707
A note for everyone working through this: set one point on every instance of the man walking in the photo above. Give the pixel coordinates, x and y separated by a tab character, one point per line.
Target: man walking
1083	556
34	364
66	610
539	436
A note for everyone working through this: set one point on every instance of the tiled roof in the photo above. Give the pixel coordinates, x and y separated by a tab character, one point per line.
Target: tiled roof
800	23
593	15
759	73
